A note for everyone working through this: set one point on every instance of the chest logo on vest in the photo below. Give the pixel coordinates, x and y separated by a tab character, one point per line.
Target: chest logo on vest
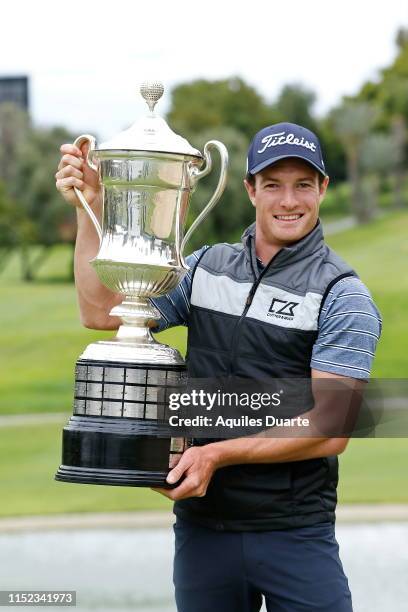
281	309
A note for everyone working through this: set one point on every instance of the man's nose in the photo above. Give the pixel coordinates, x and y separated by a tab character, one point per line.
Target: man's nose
288	198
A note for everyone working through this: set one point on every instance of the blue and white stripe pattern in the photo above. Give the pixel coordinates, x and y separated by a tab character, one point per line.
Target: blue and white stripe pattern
349	324
349	329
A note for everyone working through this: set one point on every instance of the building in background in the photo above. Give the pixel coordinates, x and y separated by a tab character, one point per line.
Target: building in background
15	89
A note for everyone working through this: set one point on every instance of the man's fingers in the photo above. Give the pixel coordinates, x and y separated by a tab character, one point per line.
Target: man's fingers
176	473
67	171
190	487
68	183
70	160
71	149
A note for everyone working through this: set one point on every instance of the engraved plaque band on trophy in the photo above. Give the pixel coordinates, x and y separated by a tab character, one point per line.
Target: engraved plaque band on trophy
117	435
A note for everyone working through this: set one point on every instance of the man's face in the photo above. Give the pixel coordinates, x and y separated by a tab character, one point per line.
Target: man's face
287	197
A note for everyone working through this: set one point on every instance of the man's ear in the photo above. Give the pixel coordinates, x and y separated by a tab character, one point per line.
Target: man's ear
250	188
323	188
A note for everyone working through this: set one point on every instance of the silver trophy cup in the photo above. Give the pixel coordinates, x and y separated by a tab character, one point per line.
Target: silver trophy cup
118	433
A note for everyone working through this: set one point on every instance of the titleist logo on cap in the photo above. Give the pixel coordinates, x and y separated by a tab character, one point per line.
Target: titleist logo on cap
272	140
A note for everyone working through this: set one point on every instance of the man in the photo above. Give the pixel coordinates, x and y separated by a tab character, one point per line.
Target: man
255	515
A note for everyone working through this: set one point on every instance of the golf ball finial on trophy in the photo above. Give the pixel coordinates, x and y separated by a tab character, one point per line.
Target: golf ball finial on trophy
147	173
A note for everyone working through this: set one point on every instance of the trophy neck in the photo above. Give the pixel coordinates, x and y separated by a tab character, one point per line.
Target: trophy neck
135	314
134	342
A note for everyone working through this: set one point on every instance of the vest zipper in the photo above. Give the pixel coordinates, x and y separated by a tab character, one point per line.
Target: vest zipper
248	303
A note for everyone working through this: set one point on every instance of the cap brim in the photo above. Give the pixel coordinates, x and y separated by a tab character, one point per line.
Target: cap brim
270	162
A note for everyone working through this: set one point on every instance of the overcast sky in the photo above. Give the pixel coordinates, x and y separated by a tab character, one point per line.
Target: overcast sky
85	59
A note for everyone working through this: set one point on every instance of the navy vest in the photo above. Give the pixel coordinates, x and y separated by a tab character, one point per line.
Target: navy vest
262	325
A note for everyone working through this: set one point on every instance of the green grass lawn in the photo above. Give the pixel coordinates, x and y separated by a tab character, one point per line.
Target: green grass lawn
42	338
379	253
29	458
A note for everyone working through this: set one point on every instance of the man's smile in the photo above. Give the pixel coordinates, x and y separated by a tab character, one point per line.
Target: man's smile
288	218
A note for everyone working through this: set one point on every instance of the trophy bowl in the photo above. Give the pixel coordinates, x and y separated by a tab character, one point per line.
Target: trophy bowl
118	434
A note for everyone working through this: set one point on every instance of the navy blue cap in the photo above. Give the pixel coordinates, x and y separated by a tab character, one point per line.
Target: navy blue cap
284	140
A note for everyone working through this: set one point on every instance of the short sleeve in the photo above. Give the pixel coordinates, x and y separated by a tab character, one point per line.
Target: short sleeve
174	307
349	329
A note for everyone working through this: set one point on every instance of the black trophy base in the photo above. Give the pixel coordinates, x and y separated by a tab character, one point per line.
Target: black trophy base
118	434
113	451
119	478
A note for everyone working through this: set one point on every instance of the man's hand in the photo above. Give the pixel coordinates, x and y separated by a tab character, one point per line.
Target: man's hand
72	172
94	299
197	464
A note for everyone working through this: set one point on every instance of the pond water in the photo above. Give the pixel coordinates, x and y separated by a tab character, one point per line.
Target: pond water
123	569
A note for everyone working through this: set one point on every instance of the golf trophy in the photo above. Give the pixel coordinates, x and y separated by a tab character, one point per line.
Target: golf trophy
117	434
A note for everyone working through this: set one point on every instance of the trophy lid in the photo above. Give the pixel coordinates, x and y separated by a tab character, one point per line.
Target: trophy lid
152	132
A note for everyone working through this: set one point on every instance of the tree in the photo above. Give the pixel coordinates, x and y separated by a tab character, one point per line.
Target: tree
390	92
201	105
14	127
234	211
295	104
399	137
30	203
352	122
53	222
378	157
10	226
390	95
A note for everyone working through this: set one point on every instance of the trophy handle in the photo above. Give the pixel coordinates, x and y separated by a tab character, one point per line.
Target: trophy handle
196	175
92	144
